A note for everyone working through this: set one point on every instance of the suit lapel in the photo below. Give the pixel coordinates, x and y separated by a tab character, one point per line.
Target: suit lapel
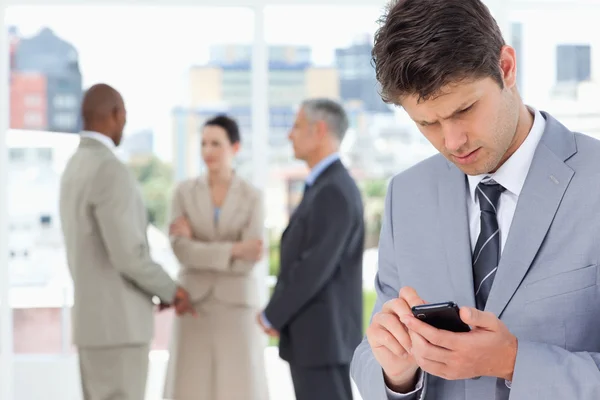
201	198
544	188
230	206
295	214
330	170
452	200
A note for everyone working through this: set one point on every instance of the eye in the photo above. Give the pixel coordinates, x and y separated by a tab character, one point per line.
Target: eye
466	109
425	124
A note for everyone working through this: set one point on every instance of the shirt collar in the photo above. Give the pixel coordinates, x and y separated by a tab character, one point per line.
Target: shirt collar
320	167
105	140
512	174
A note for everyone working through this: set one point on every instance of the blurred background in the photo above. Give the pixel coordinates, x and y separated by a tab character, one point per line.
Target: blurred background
176	66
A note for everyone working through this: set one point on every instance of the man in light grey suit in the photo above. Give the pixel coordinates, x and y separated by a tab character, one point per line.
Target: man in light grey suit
104	223
505	222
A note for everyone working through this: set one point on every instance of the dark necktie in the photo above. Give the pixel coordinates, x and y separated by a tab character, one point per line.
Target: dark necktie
486	255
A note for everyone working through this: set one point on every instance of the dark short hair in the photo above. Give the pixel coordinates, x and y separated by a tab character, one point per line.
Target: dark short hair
228	124
422	46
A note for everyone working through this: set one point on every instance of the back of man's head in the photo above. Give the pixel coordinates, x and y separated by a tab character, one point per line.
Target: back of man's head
330	112
423	46
103	111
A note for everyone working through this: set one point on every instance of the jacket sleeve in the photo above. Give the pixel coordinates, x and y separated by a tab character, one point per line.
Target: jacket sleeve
544	371
116	202
254	229
216	256
209	256
365	370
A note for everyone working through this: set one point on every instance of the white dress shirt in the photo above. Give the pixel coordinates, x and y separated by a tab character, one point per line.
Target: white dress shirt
105	140
511	175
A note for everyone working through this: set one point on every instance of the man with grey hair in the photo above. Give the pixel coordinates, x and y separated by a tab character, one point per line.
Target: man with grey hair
316	308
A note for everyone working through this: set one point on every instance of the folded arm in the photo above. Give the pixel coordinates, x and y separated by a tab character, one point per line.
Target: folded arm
330	223
214	256
545	371
116	207
365	370
254	229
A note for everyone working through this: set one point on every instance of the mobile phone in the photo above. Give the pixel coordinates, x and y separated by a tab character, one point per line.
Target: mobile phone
442	316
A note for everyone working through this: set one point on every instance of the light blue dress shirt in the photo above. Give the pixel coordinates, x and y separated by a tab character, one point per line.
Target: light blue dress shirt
217	214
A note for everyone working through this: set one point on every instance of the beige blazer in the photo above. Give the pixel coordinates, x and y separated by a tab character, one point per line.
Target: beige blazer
104	224
206	263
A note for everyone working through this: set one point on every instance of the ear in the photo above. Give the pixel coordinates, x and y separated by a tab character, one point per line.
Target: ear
321	129
115	113
508	66
235	147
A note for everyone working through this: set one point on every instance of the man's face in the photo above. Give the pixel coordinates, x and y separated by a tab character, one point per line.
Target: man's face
473	123
304	136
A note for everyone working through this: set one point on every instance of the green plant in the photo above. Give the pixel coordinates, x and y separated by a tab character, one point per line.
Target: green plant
374	188
156	181
274	257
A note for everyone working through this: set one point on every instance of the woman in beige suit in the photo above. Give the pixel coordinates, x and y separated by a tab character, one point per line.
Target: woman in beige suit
216	235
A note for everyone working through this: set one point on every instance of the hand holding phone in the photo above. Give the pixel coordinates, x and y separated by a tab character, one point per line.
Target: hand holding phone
441	315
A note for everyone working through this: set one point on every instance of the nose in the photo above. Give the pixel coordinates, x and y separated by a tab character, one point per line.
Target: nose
206	151
455	138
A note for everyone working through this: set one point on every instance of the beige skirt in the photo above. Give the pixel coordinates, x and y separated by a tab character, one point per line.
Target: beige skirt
218	355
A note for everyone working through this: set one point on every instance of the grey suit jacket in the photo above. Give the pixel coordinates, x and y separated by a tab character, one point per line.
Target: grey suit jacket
104	223
206	264
546	287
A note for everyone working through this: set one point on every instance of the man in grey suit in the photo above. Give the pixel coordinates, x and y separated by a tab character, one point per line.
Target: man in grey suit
504	221
316	307
104	223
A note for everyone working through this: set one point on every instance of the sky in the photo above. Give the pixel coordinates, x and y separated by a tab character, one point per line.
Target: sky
145	51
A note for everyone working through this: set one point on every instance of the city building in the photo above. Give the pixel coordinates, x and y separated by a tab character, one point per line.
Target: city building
224	86
28	105
46	83
357	76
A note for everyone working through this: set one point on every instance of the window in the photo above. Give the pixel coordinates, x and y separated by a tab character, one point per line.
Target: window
65	101
65	121
32	100
573	63
44	154
15	155
33	120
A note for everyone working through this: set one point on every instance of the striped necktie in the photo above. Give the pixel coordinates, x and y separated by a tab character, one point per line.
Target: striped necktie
486	255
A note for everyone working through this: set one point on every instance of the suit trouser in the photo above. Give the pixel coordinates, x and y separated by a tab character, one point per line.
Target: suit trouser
114	373
331	382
